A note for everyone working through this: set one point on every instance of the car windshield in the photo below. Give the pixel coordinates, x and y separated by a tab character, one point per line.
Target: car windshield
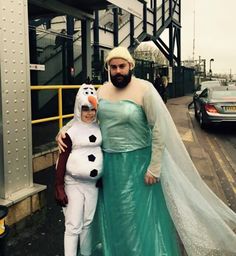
223	94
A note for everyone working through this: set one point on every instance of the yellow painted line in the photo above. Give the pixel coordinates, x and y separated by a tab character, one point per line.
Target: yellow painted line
2	226
187	136
223	166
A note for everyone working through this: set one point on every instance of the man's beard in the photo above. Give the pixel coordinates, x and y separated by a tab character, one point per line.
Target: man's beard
121	81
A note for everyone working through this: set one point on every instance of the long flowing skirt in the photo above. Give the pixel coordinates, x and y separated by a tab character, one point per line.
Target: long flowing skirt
132	217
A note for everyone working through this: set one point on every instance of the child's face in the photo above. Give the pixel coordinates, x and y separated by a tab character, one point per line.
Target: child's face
88	115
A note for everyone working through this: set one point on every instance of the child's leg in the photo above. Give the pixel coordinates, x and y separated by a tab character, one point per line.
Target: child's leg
91	195
73	219
70	245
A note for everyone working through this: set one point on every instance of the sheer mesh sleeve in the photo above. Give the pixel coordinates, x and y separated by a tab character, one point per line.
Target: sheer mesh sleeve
150	97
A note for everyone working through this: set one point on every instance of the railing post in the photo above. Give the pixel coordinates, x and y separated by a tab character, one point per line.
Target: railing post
60	107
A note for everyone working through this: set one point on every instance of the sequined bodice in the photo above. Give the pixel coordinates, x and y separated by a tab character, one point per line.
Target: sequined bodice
123	125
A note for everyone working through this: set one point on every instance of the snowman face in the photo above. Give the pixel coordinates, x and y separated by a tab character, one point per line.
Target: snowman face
87	90
84	92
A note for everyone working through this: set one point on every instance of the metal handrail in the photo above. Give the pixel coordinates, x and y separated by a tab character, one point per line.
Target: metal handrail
59	88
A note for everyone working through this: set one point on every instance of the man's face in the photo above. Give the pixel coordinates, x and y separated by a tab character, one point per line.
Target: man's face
120	72
119	66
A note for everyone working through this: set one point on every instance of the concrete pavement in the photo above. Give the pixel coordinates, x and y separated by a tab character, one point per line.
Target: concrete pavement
197	144
42	233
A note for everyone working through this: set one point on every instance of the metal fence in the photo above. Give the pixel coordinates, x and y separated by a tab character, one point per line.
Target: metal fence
44	129
182	83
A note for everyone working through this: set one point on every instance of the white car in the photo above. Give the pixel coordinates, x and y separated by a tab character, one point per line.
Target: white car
207	84
216	105
203	85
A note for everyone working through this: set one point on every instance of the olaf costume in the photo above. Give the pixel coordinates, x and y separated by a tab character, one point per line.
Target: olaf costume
78	170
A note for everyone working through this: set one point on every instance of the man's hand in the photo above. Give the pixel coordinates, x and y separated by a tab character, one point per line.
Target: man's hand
60	143
150	179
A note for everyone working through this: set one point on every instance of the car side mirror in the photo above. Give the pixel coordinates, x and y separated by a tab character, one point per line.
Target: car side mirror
198	88
202	95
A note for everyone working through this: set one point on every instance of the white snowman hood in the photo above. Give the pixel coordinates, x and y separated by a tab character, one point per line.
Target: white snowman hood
86	96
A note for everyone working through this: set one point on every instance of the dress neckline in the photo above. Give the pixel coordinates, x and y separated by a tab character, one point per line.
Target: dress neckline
120	101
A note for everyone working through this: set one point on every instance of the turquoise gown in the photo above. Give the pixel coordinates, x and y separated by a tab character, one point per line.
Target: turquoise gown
132	217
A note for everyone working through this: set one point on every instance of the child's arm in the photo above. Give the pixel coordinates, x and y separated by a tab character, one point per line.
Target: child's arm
60	194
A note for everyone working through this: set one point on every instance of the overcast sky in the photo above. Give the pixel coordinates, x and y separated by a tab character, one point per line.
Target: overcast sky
215	35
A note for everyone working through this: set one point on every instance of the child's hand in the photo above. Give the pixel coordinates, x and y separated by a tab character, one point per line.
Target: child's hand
60	196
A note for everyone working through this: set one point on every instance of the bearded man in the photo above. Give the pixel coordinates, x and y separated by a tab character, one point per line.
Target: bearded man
144	156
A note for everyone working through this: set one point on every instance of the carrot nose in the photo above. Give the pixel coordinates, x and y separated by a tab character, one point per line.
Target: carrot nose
93	101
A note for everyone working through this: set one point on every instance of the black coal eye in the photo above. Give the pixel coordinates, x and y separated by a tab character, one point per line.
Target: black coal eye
92	92
86	92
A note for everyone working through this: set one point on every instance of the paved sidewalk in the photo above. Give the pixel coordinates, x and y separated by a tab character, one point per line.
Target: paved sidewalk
178	108
42	233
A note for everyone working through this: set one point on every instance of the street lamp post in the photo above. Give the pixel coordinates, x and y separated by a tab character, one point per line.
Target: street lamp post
210	71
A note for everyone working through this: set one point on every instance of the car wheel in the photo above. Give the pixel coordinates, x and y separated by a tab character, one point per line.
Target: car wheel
202	123
195	111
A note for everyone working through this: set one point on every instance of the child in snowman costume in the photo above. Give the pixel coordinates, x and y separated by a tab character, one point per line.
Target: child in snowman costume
77	172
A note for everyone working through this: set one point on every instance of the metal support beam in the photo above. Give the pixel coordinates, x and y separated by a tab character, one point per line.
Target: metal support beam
171	45
178	45
86	50
70	49
180	12
154	18
33	55
171	8
131	20
96	41
163	10
33	73
60	8
161	48
145	17
164	48
116	27
16	179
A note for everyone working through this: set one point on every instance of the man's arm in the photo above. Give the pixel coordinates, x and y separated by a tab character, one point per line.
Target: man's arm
150	108
62	135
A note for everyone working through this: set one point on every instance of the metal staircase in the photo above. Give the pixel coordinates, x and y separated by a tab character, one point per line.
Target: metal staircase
113	27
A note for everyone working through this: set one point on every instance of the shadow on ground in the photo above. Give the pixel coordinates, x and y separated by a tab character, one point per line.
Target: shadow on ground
40	234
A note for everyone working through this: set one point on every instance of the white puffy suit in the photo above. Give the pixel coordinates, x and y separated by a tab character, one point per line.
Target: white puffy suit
83	167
